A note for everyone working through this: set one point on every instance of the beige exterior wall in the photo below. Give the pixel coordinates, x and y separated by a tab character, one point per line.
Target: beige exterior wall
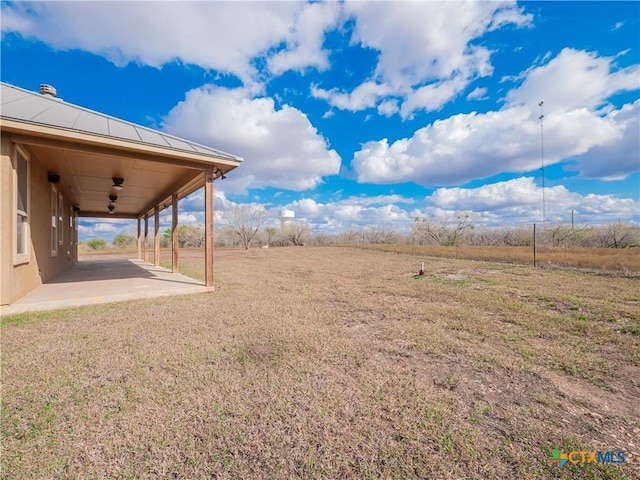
6	205
16	280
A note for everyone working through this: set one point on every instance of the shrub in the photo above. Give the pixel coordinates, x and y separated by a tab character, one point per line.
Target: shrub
122	241
96	243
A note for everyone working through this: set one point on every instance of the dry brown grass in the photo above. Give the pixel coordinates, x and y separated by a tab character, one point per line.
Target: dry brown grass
322	362
625	261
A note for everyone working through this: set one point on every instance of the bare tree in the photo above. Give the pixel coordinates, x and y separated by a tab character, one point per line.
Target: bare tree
349	236
225	236
389	236
296	233
454	235
450	235
420	231
617	235
372	235
246	220
323	238
517	237
188	236
565	236
485	237
271	233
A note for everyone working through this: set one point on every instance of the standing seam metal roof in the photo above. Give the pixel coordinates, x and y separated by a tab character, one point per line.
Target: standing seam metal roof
26	106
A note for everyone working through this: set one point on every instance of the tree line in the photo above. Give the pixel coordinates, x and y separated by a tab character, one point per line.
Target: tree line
245	225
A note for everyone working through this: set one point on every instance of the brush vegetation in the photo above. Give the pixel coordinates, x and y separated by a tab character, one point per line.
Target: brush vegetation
618	261
328	362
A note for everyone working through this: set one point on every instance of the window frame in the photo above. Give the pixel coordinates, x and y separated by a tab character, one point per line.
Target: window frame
60	218
70	227
21	255
54	221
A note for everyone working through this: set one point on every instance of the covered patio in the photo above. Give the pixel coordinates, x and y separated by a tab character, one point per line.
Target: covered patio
93	282
80	163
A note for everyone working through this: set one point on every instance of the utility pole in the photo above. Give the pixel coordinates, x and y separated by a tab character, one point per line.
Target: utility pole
542	159
572	224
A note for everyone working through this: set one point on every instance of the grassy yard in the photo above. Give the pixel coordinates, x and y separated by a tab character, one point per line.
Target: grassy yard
324	362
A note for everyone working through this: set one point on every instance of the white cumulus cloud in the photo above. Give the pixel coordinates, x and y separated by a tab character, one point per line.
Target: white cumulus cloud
574	79
520	201
280	147
304	41
472	146
225	36
615	160
477	94
465	147
364	96
381	211
427	53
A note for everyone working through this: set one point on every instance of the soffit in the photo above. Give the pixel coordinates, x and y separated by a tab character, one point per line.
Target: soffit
86	180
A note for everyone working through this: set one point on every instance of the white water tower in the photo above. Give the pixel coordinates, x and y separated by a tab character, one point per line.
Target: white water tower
286	216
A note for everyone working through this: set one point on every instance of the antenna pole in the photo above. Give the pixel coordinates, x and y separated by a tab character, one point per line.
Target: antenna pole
542	158
572	224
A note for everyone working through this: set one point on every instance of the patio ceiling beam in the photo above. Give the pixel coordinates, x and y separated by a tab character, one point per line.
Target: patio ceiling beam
106	215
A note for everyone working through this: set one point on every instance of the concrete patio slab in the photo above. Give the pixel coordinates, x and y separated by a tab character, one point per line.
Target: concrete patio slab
105	281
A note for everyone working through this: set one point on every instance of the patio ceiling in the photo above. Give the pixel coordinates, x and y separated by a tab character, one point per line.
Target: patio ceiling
86	175
86	180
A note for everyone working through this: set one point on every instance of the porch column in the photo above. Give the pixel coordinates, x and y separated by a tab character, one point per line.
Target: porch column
208	226
174	233
156	236
146	238
139	240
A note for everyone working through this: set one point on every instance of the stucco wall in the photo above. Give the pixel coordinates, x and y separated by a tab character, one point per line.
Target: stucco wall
6	205
49	266
18	280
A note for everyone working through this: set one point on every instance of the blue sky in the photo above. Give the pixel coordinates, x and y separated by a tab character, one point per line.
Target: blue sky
364	113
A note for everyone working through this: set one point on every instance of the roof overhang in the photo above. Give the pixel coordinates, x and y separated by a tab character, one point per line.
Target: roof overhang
86	164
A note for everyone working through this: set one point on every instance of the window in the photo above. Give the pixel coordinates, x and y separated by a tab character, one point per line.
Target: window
54	221
71	214
21	186
60	219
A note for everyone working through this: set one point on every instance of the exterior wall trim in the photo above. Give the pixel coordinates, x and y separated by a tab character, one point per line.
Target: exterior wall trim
20	258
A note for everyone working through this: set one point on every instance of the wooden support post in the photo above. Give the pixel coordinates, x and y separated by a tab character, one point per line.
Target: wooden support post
208	226
146	239
174	233
156	236
139	239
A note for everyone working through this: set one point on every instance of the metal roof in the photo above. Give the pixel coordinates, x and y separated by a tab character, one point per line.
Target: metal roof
30	107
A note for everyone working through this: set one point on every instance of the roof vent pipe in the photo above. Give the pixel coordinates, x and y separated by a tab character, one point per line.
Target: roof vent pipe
48	90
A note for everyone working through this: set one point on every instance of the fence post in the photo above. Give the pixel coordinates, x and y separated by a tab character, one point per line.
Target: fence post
534	246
